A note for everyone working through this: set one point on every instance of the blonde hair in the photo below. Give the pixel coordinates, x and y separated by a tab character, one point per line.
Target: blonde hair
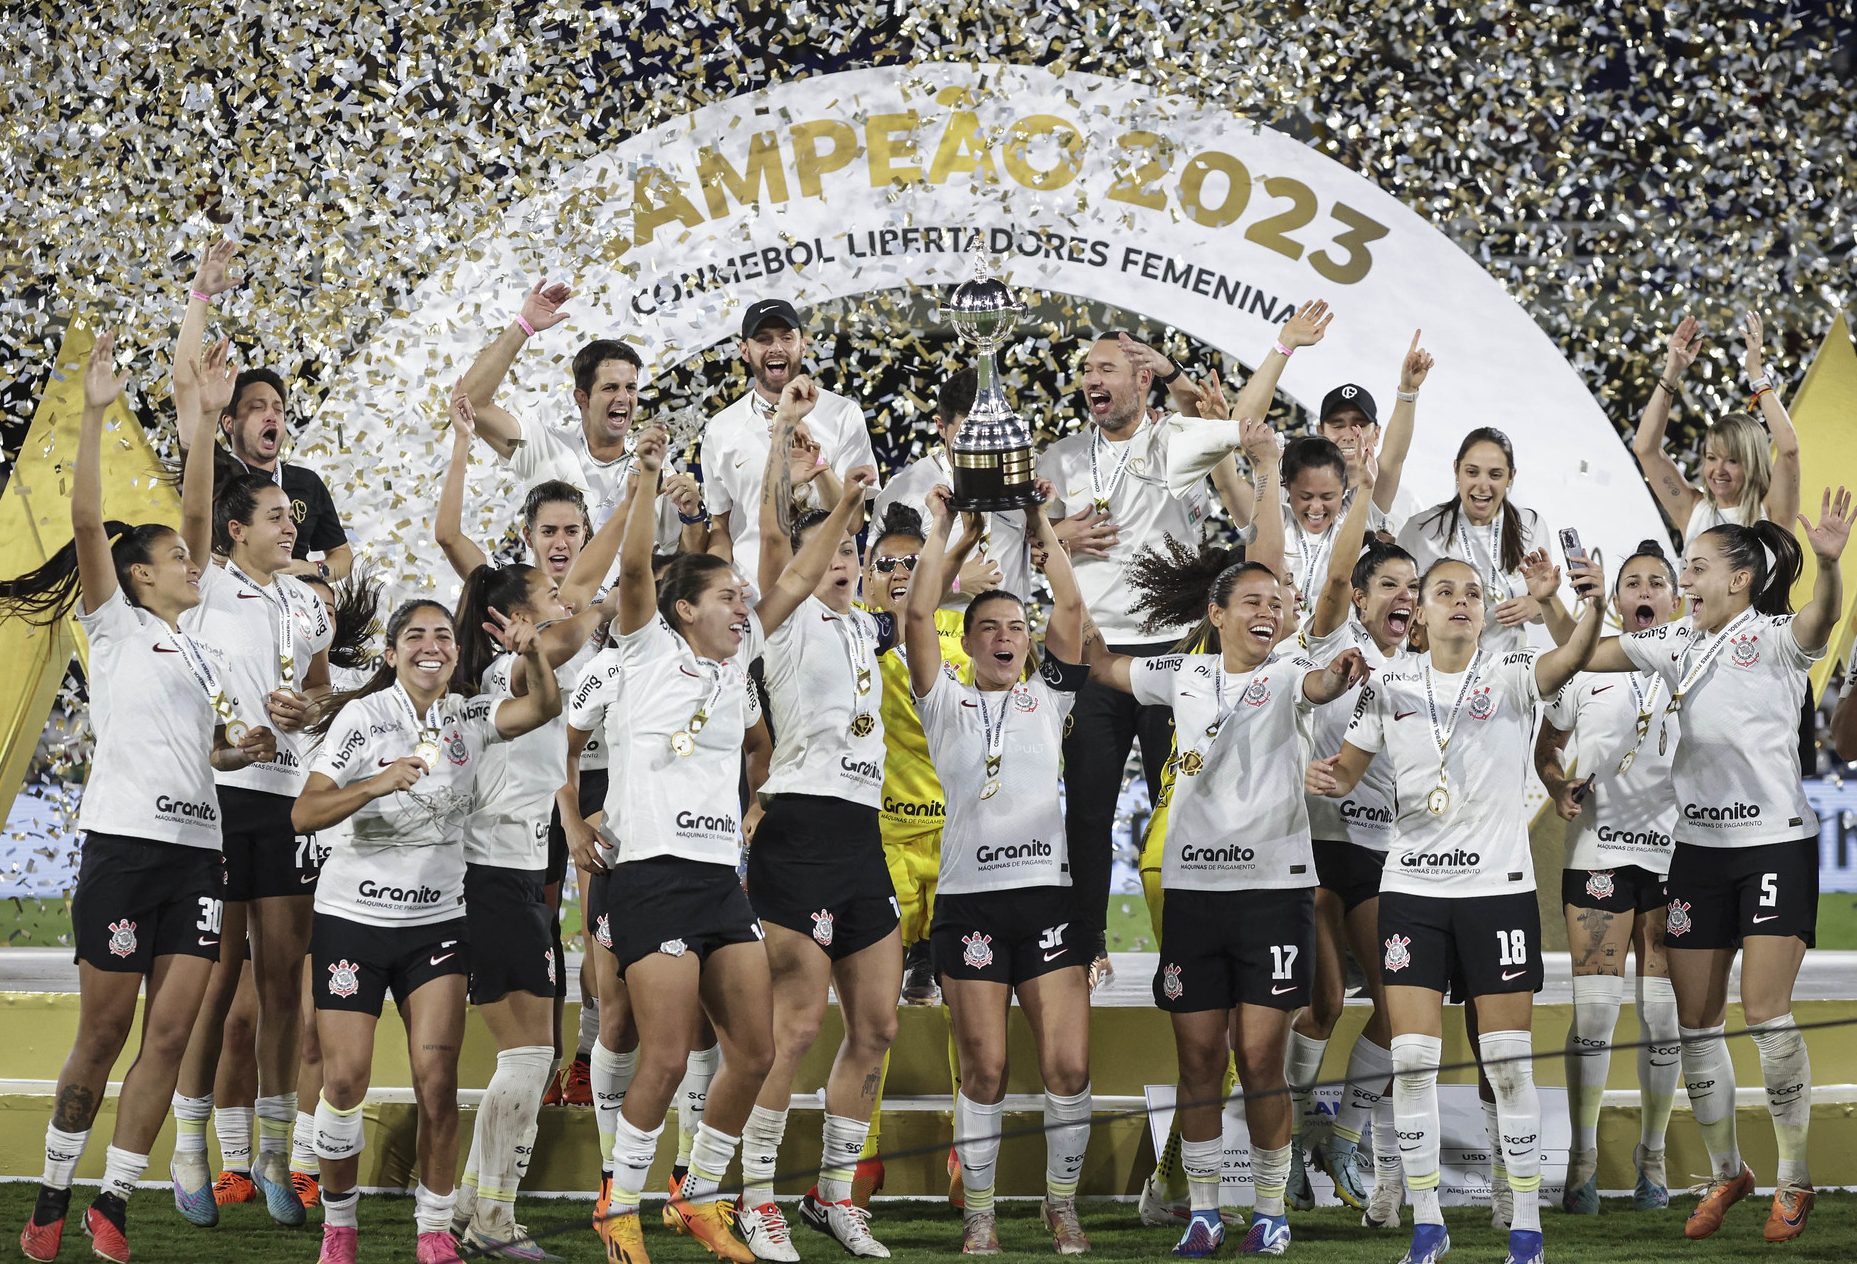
1743	440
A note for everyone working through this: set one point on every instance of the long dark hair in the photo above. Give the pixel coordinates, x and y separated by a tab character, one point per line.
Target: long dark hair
505	588
1312	452
1747	548
385	674
1511	545
1377	554
357	617
684	580
1648	548
45	595
1176	583
899	519
235	499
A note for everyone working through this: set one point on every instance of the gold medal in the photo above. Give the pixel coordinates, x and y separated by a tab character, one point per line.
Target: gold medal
683	744
990	789
236	731
428	751
1102	504
1624	765
1663	739
1438	802
1192	763
862	724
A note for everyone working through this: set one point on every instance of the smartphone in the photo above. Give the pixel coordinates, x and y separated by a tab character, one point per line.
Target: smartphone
1584	788
1570	543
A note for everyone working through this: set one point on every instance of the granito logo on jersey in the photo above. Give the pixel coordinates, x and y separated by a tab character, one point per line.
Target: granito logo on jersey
1677	922
1258	693
977	951
862	768
1397	955
1744	650
1034	850
1233	855
1728	812
1599	884
1482	704
372	890
1171	987
723	824
344	979
603	931
673	947
1362	814
822	927
122	938
901	807
1456	858
1653	840
205	811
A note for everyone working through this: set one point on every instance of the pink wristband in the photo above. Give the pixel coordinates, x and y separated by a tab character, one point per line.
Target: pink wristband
955	587
204	298
527	328
1285	352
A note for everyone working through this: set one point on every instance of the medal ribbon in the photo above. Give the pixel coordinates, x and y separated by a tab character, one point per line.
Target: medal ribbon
995	730
1689	677
1495	580
1442	734
1224	710
279	605
202	671
1312	574
851	631
701	716
1101	490
435	720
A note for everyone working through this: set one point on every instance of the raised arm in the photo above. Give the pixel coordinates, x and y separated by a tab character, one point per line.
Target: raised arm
638	590
448	528
796	582
213	376
1783	492
1543	580
1556	667
1064	630
792	460
1336	597
211	279
1346	670
1181	392
1413	371
921	640
542	700
1266	457
1304	329
1813	624
541	309
1674	493
96	571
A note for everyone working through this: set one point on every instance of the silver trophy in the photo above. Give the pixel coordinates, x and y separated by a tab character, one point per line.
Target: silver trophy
992	455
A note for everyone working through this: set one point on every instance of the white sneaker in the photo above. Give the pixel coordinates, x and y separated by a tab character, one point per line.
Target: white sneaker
1158	1211
846	1223
764	1229
1383	1204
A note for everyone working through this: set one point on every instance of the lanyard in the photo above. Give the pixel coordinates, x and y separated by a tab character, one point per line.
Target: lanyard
426	746
202	672
1194	761
1689	677
683	742
995	732
1313	560
1442	733
851	631
1645	700
280	606
1495	581
1102	489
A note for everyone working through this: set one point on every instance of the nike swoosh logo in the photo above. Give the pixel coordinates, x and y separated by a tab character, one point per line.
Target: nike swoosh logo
306	878
441	960
208	943
1277	991
1053	956
1768	918
1599	689
966	703
1510	975
1400	715
250	596
385	763
166	649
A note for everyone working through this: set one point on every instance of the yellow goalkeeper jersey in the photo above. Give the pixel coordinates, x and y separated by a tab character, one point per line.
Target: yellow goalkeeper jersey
912	798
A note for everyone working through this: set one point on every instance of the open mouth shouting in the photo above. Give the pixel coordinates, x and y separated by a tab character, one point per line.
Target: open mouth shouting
1639	618
776	369
557	562
270	437
1399	621
1098	400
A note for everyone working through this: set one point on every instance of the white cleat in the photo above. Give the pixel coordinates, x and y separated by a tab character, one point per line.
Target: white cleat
846	1223
1383	1205
1158	1211
765	1231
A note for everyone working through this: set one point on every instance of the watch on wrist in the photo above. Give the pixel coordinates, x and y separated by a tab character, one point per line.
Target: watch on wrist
322	568
1168	379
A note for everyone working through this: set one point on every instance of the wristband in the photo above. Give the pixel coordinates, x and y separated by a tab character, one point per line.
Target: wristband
1168	379
690	520
1753	404
527	328
955	587
1668	386
1763	382
202	296
1285	352
1406	397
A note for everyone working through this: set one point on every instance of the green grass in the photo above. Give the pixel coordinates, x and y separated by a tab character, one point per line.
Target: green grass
918	1231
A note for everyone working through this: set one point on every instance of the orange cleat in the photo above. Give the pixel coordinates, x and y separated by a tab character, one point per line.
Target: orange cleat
309	1190
713	1224
957	1192
624	1239
40	1241
1791	1205
674	1206
867	1180
234	1187
1722	1193
577	1084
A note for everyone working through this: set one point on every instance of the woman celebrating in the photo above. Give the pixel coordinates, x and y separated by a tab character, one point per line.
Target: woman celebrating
1744	870
1483	529
1456	723
1749	471
1002	905
688	944
147	904
816	872
399	760
1613	789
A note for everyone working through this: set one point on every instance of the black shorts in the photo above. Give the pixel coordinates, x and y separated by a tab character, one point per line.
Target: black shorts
1349	870
557	848
817	868
353	966
1721	895
1468	946
592	791
1220	949
1626	889
138	899
597	915
673	906
264	857
507	918
1005	936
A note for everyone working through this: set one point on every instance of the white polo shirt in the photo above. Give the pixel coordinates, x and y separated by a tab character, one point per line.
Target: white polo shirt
516	783
1626	819
1003	541
584	705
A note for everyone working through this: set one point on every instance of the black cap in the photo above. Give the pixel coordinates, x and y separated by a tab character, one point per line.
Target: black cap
1343	398
766	310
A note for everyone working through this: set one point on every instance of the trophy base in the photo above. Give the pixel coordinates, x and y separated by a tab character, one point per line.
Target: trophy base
988	490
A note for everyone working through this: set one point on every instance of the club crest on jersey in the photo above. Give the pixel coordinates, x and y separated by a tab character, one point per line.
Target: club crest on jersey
1171	987
1258	693
344	978
603	931
1397	955
673	947
122	938
1678	923
455	749
1482	705
822	927
1599	884
977	951
1744	650
1023	699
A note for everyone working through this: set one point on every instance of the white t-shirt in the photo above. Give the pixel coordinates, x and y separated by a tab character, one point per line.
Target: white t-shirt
1736	769
1479	847
1705	516
1003	541
151	775
1629	819
584	705
1309	555
1428	537
812	665
735	445
404	863
1364	816
1132	476
1239	823
660	803
560	452
236	623
516	782
1014	838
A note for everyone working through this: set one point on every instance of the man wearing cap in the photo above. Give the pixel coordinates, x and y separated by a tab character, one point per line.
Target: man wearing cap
1349	419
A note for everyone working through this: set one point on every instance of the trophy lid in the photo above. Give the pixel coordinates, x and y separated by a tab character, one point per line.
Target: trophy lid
983	309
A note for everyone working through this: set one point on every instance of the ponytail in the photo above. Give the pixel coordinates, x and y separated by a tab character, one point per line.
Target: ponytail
385	674
1376	554
357	617
1646	548
235	499
1176	586
1768	552
45	595
487	587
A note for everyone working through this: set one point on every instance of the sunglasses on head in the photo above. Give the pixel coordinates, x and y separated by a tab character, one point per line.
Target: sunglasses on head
887	564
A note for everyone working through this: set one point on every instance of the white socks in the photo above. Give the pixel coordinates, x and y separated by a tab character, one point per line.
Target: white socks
1369	1067
761	1138
1708	1075
976	1141
1508	1061
505	1125
633	1150
710	1154
121	1171
432	1212
1660	1059
1270	1174
610	1075
62	1151
1067	1136
1302	1067
338	1210
303	1144
1596	1001
233	1125
839	1149
692	1093
1787	1069
1386	1164
1415	1114
338	1132
1202	1162
277	1114
190	1116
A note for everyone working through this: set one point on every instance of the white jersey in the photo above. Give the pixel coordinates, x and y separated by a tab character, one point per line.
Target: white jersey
1236	820
1706	515
1132	477
405	862
151	691
1736	769
660	802
514	793
1364	816
1002	537
826	694
584	705
546	452
1479	845
1309	554
238	624
1014	837
735	446
1429	537
1628	818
